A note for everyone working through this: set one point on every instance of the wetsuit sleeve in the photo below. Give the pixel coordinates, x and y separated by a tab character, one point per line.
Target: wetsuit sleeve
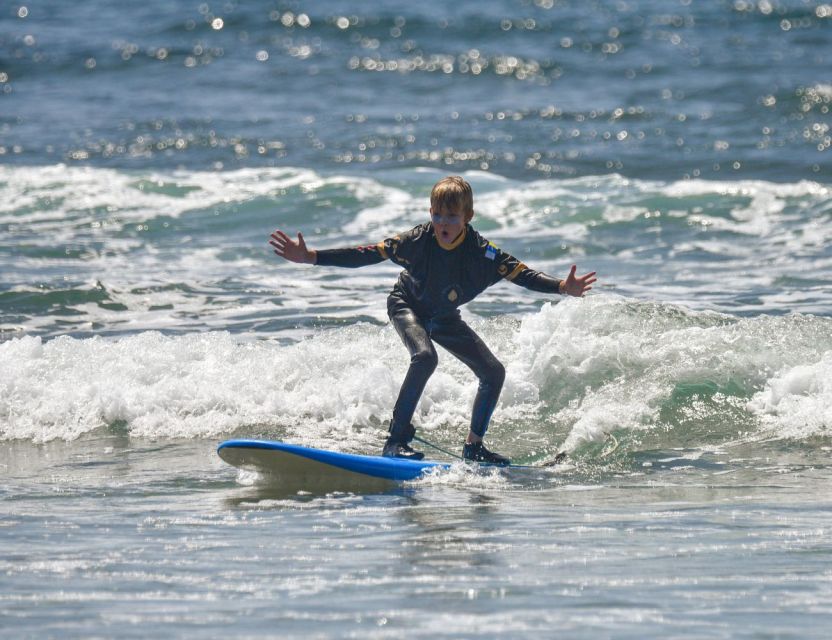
407	247
352	257
513	270
398	249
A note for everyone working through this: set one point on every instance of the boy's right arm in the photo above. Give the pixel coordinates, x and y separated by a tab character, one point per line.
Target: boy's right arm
292	250
296	251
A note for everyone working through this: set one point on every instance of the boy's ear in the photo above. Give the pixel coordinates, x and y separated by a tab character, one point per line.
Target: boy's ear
469	217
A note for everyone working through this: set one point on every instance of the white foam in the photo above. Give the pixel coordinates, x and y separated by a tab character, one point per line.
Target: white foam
42	195
390	210
797	402
579	367
617	363
582	368
94	212
464	475
87	194
205	384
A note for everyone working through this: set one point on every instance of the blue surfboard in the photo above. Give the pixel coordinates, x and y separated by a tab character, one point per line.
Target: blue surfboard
320	467
306	467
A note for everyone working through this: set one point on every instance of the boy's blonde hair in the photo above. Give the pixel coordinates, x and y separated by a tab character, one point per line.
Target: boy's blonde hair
453	193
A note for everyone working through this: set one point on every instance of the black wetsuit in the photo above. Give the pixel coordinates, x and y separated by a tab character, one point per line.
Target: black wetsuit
424	306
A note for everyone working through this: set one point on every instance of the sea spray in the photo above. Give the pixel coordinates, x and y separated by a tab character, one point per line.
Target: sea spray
796	403
576	371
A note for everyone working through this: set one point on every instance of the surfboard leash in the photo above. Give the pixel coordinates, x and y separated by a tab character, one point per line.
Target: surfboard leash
559	458
438	448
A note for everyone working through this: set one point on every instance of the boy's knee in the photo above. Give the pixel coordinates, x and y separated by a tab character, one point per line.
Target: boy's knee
495	374
498	374
425	359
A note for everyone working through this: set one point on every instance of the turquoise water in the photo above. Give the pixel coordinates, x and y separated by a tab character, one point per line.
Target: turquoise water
680	149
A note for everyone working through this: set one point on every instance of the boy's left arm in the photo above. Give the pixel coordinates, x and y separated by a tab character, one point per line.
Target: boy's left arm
577	286
517	272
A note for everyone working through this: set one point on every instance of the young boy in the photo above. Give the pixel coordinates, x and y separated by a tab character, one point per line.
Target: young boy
446	264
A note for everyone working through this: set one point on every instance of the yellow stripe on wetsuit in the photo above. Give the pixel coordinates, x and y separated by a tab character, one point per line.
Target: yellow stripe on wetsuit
520	267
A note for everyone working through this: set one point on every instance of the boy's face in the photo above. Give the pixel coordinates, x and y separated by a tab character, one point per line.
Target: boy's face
448	223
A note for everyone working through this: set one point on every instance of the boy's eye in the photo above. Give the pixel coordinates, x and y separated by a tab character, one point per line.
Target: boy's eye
447	218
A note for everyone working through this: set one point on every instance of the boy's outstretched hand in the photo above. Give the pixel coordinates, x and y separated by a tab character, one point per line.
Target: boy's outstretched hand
577	286
291	250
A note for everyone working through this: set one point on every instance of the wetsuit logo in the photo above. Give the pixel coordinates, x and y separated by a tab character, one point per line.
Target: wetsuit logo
452	293
491	251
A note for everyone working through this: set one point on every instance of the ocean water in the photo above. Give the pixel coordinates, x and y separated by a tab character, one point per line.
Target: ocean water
679	148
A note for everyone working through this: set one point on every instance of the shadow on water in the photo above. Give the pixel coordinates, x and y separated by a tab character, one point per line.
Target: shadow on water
476	484
262	495
272	487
